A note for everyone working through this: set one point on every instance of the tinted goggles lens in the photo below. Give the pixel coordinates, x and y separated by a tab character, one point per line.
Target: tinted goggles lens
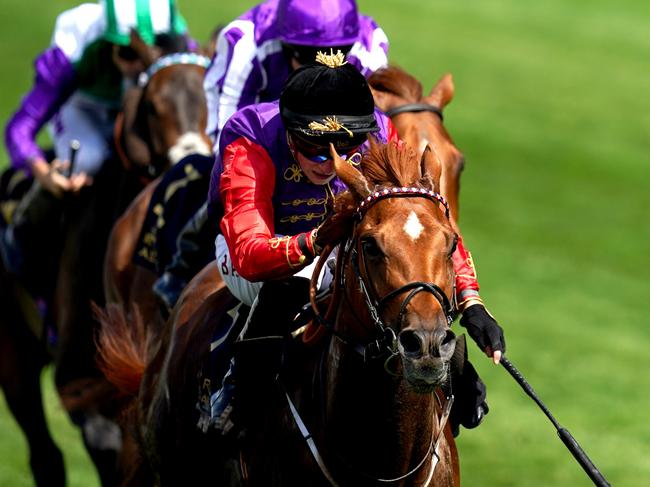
319	154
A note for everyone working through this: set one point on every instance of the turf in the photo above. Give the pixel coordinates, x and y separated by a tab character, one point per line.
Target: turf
553	114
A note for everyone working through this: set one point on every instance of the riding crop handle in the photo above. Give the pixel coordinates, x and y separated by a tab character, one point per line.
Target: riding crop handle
566	437
75	145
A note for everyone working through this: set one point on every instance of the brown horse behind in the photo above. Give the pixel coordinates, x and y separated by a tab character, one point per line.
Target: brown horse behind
418	120
366	416
170	110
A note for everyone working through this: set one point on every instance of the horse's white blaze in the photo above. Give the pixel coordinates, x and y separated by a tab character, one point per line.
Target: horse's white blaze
413	227
188	143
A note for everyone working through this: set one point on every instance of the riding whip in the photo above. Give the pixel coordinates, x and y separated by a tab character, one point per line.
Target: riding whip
570	442
75	145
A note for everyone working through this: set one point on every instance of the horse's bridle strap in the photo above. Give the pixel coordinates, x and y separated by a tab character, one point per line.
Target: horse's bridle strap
414	108
171	60
396	192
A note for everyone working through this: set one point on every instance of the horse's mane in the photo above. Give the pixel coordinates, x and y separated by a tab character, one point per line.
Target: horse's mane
392	164
392	79
384	165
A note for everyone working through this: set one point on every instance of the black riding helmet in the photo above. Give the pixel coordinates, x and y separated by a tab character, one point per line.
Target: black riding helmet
323	103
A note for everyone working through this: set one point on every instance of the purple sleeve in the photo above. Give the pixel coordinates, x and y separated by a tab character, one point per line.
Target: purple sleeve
54	82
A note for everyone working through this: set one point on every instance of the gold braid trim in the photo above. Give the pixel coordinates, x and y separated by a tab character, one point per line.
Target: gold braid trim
331	60
330	124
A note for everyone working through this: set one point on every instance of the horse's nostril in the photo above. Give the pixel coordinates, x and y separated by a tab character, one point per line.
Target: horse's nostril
410	342
448	339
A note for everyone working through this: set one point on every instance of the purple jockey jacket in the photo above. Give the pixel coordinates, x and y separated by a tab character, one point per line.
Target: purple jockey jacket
265	193
250	67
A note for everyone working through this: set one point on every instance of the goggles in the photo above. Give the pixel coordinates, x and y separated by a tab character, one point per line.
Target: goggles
318	154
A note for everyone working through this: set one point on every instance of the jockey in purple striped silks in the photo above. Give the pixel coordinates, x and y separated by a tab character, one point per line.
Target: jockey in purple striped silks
257	51
78	84
255	55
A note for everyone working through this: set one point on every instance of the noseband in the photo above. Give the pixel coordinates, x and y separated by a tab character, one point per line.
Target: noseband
414	108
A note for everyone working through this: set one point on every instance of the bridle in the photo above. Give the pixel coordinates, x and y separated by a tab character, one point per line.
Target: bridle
384	340
414	108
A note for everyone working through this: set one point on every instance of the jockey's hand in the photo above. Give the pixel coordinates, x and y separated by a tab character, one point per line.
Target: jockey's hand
332	231
485	331
51	177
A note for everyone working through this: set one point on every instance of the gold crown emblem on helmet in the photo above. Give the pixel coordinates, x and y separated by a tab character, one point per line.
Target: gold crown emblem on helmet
331	60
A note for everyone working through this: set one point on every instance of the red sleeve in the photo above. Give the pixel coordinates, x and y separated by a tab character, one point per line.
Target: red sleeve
247	185
466	279
392	131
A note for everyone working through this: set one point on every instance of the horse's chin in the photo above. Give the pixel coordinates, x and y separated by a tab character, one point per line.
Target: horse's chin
425	374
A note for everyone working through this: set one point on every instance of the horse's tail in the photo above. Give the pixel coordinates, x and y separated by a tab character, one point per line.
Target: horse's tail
121	346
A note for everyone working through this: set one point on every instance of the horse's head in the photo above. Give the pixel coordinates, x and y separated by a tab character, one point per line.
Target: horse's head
418	120
399	277
165	116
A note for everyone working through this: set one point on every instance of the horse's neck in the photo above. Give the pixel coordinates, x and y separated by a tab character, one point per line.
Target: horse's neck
373	419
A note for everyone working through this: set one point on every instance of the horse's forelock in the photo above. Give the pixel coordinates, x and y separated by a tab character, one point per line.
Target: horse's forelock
392	164
392	79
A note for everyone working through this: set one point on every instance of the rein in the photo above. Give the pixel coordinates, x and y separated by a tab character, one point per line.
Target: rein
432	451
414	108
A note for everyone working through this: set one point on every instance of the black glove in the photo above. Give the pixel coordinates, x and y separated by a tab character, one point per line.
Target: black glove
484	329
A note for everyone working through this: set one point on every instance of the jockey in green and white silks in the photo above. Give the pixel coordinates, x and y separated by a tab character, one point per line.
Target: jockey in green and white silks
80	79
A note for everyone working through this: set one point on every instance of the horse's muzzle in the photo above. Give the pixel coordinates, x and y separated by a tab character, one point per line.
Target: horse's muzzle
425	356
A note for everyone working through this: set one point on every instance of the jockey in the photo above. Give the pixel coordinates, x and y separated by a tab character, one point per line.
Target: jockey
78	86
275	179
255	54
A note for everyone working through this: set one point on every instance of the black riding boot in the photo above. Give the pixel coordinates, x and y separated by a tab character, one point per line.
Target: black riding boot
195	248
469	391
258	355
31	243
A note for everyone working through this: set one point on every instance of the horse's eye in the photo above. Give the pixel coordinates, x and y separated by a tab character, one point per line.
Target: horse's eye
371	248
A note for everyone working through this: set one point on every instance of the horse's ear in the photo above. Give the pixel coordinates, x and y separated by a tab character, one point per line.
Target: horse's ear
350	175
442	93
210	48
430	168
147	54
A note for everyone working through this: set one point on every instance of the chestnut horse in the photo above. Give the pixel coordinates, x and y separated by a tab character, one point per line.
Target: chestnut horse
374	416
418	121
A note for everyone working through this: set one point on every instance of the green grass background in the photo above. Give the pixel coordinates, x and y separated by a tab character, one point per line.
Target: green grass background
552	110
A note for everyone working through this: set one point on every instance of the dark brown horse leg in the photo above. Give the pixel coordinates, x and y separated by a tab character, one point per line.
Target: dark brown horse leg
25	402
22	357
21	362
